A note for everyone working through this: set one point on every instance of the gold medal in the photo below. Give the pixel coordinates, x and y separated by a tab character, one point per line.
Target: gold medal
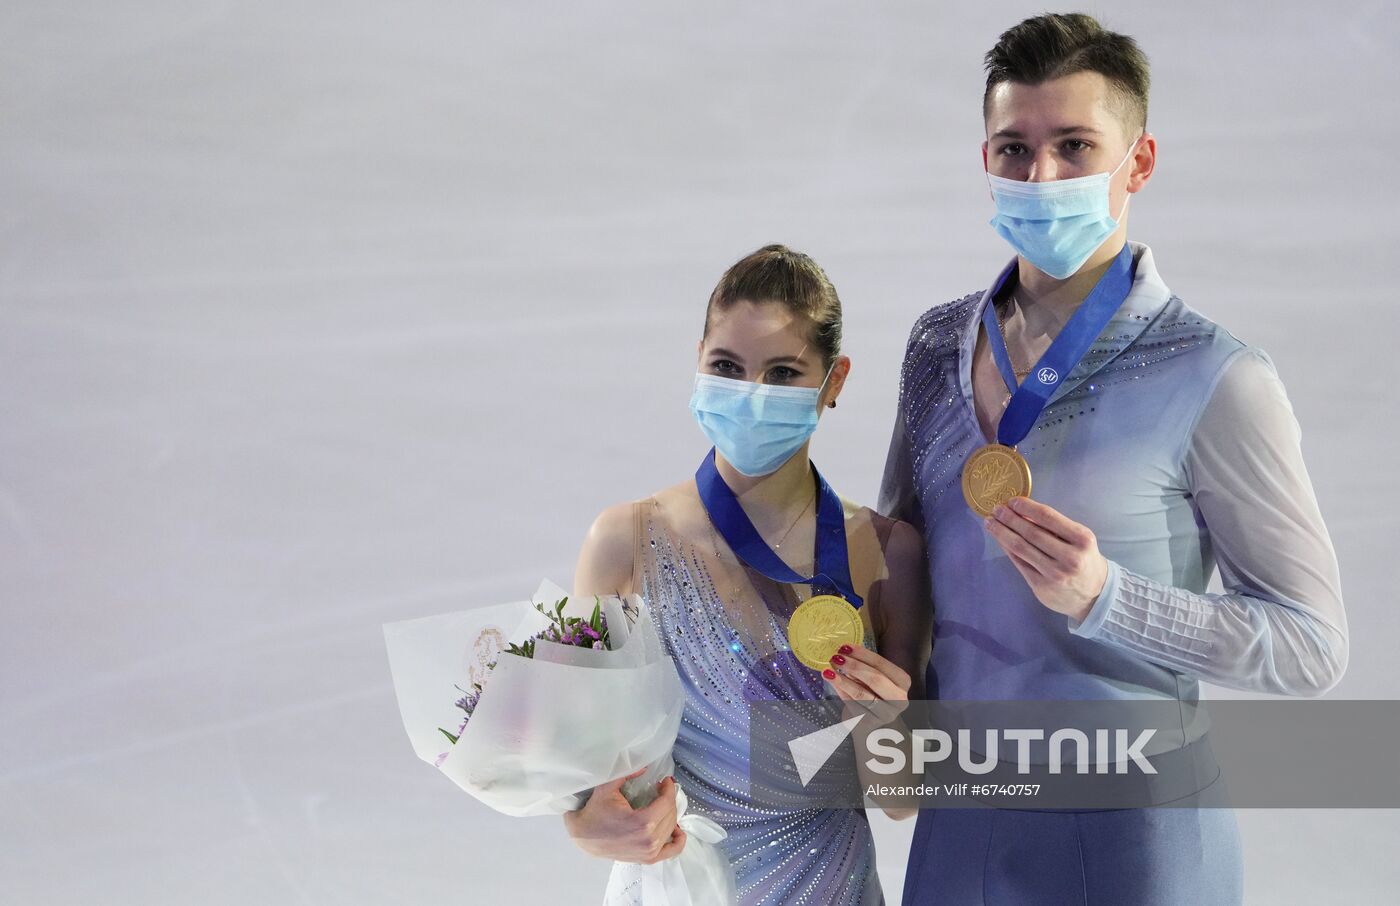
992	475
820	626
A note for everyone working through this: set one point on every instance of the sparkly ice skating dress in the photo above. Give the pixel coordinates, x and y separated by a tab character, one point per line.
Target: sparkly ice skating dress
724	624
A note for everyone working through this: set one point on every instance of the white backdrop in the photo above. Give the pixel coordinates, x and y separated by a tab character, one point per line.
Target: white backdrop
314	317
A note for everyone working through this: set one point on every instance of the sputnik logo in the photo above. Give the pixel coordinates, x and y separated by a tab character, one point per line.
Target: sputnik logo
813	750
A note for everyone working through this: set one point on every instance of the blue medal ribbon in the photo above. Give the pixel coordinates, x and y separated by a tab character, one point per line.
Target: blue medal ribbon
832	561
1074	339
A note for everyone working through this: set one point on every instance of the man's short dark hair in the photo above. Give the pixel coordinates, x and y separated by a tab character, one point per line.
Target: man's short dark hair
1054	45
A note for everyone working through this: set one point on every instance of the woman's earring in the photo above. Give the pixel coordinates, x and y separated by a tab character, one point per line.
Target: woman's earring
832	404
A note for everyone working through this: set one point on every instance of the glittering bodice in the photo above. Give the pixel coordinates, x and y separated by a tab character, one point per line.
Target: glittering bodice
1109	451
725	626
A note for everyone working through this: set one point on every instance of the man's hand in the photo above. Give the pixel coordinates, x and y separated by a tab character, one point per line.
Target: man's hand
608	827
1058	557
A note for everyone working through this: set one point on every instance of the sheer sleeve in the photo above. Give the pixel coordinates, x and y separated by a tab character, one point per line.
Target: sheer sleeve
898	497
906	607
907	598
1280	626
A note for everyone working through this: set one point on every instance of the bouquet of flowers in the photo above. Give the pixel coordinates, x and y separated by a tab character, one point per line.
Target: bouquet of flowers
579	701
590	633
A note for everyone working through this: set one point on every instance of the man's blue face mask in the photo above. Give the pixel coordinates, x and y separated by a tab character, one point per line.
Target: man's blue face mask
1056	225
755	427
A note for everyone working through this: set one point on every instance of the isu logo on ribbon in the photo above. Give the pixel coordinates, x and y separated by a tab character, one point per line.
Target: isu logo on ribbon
1047	375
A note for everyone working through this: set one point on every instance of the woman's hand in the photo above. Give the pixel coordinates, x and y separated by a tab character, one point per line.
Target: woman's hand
608	827
875	685
1058	557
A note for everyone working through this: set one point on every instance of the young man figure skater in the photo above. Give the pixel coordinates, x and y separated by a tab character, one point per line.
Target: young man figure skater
1159	444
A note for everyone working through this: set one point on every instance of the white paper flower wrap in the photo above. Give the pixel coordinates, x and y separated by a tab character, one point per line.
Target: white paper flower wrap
550	728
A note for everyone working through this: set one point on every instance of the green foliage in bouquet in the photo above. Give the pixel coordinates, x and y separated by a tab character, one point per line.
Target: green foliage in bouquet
591	632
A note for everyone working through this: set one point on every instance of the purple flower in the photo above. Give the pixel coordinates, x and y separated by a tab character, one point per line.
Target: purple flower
469	702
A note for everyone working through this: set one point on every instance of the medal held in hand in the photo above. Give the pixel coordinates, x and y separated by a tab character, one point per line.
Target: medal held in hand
994	473
820	626
823	623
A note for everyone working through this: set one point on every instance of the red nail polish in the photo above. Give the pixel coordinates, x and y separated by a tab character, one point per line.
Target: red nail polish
837	659
829	673
846	649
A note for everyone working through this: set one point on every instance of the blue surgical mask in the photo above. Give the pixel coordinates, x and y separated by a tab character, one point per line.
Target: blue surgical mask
755	427
1056	225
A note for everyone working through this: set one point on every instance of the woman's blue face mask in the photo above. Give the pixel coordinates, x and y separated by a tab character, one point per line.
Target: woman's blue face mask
755	427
